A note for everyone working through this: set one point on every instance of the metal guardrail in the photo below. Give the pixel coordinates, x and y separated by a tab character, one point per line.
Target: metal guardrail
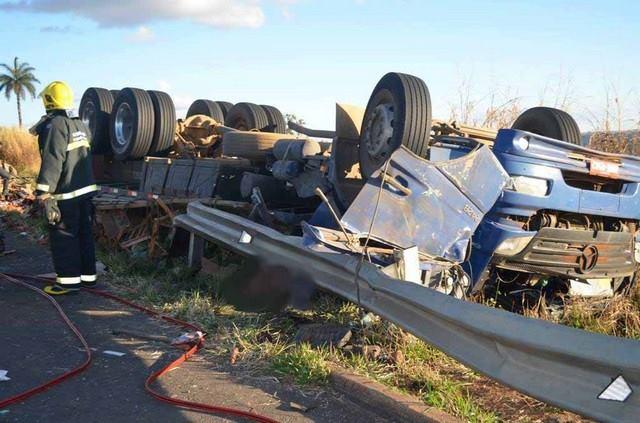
562	366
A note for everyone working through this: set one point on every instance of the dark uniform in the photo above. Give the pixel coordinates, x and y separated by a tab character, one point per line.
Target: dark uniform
66	175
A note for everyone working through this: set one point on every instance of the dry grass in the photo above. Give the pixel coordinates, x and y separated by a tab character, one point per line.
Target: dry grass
20	149
617	316
625	142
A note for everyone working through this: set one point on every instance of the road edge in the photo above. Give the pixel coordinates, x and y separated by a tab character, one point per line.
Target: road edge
385	401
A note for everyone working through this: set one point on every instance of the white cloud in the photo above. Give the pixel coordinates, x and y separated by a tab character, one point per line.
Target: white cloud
143	34
164	85
285	7
127	13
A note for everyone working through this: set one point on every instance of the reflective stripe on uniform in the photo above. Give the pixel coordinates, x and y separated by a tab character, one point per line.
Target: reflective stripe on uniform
68	280
88	278
79	135
78	144
76	193
42	187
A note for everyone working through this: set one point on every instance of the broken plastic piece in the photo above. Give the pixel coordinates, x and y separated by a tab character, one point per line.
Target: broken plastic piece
114	353
188	339
3	376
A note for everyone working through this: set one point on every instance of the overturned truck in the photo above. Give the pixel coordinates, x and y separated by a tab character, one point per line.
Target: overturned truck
401	213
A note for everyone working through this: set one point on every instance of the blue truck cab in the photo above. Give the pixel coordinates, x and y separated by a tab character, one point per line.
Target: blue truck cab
569	214
567	219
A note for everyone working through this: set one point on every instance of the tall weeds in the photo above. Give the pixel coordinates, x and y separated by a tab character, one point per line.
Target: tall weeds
20	149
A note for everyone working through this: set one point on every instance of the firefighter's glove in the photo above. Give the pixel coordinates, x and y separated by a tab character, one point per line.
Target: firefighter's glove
51	211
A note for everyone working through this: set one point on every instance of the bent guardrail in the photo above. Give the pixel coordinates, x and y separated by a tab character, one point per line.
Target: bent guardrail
594	375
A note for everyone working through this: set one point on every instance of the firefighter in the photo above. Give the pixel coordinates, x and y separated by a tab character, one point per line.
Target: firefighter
65	186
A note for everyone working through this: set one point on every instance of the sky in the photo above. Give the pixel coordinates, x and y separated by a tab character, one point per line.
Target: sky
303	56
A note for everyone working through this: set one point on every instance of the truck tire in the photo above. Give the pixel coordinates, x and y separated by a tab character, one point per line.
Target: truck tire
398	113
250	144
207	108
132	124
164	114
95	110
549	122
114	93
246	116
276	120
225	106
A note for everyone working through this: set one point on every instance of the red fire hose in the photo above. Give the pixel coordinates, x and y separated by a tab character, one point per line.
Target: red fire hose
197	345
26	394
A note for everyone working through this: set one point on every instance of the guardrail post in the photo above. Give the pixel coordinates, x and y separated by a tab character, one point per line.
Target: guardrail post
196	251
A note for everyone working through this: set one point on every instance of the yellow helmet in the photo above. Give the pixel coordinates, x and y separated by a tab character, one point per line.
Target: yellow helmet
57	95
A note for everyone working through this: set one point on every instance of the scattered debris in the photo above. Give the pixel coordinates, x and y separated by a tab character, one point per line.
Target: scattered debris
371	352
188	340
141	335
320	335
114	353
3	376
101	269
397	358
235	354
301	408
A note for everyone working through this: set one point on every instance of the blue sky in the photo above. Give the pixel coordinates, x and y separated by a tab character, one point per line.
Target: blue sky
304	55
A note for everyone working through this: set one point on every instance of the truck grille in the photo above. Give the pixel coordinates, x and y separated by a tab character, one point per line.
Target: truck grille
575	253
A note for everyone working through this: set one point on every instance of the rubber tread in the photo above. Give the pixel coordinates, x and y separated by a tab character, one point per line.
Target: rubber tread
412	117
164	122
207	108
103	98
250	114
142	106
251	144
549	122
276	119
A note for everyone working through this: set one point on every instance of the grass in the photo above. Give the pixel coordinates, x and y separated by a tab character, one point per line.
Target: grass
619	316
615	316
20	149
263	342
304	363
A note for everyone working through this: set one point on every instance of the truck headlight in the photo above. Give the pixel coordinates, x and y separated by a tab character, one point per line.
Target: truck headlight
522	143
513	246
528	185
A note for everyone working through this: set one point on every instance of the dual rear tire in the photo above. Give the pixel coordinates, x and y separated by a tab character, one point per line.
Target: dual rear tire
142	122
217	110
128	123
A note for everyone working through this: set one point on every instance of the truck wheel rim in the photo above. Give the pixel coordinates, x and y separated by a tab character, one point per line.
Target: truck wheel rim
379	131
124	125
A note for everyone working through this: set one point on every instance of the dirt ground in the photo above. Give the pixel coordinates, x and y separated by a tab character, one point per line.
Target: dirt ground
37	346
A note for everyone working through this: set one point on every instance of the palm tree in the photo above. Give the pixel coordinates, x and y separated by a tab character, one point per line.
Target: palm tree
19	80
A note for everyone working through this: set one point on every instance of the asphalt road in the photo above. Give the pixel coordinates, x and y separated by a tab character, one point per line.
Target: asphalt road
35	346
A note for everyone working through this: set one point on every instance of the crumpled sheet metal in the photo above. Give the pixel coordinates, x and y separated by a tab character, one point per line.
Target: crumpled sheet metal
566	367
440	207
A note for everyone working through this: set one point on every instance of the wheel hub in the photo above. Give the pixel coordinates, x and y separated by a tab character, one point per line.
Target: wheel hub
124	125
379	131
